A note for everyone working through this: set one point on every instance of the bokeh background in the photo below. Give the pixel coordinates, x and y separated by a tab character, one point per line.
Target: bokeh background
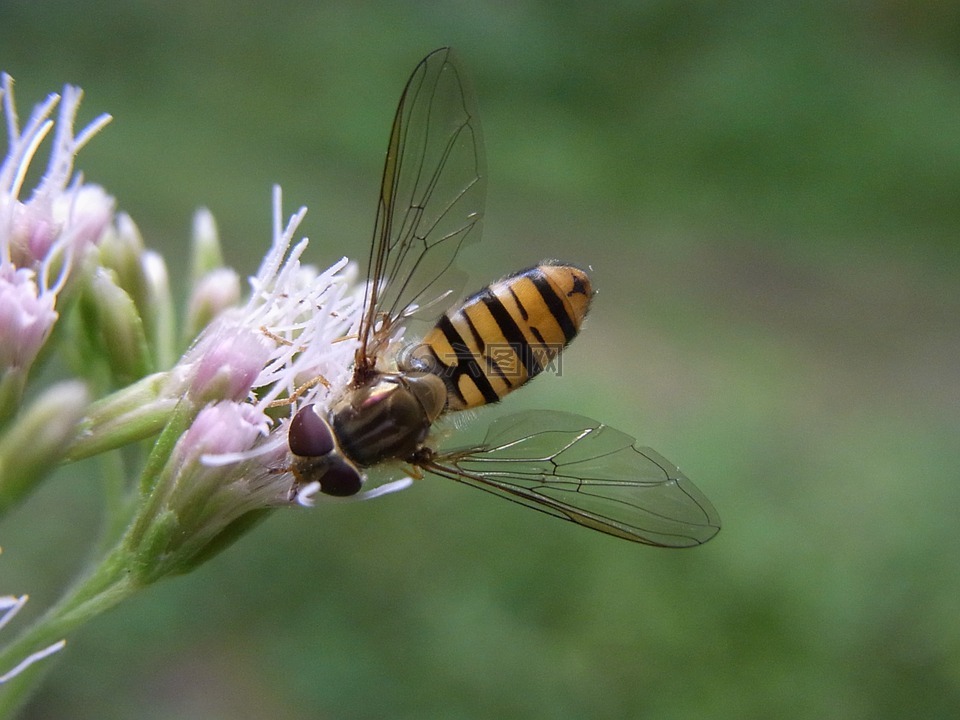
769	197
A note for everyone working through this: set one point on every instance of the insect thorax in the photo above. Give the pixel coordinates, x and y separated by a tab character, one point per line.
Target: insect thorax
387	418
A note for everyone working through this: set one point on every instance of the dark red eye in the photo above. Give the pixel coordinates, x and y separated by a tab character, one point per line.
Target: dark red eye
310	435
341	480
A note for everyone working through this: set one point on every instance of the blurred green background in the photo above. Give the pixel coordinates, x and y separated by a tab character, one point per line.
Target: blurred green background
768	196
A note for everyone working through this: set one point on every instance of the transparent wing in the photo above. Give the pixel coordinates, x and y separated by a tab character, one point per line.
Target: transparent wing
581	470
431	199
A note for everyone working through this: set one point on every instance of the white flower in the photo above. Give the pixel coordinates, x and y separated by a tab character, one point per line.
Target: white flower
298	325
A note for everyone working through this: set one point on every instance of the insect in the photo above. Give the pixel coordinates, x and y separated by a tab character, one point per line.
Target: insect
566	465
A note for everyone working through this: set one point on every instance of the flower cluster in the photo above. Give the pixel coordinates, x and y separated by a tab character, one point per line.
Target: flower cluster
44	237
229	458
211	392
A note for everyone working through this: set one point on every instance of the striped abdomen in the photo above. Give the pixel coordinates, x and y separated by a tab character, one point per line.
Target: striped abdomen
507	333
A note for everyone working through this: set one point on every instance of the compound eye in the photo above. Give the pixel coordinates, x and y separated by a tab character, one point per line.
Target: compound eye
341	480
309	434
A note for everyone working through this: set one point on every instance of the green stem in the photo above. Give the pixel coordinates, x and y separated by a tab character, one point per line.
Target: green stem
108	584
119	505
119	574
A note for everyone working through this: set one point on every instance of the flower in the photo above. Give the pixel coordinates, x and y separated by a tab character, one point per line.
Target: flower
41	238
26	316
58	221
296	326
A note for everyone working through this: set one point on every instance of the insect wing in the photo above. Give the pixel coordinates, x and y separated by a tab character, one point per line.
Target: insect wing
581	470
431	198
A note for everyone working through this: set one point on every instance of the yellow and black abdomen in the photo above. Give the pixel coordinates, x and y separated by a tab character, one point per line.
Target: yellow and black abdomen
505	334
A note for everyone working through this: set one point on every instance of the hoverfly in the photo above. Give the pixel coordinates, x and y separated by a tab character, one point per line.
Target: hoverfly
566	465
